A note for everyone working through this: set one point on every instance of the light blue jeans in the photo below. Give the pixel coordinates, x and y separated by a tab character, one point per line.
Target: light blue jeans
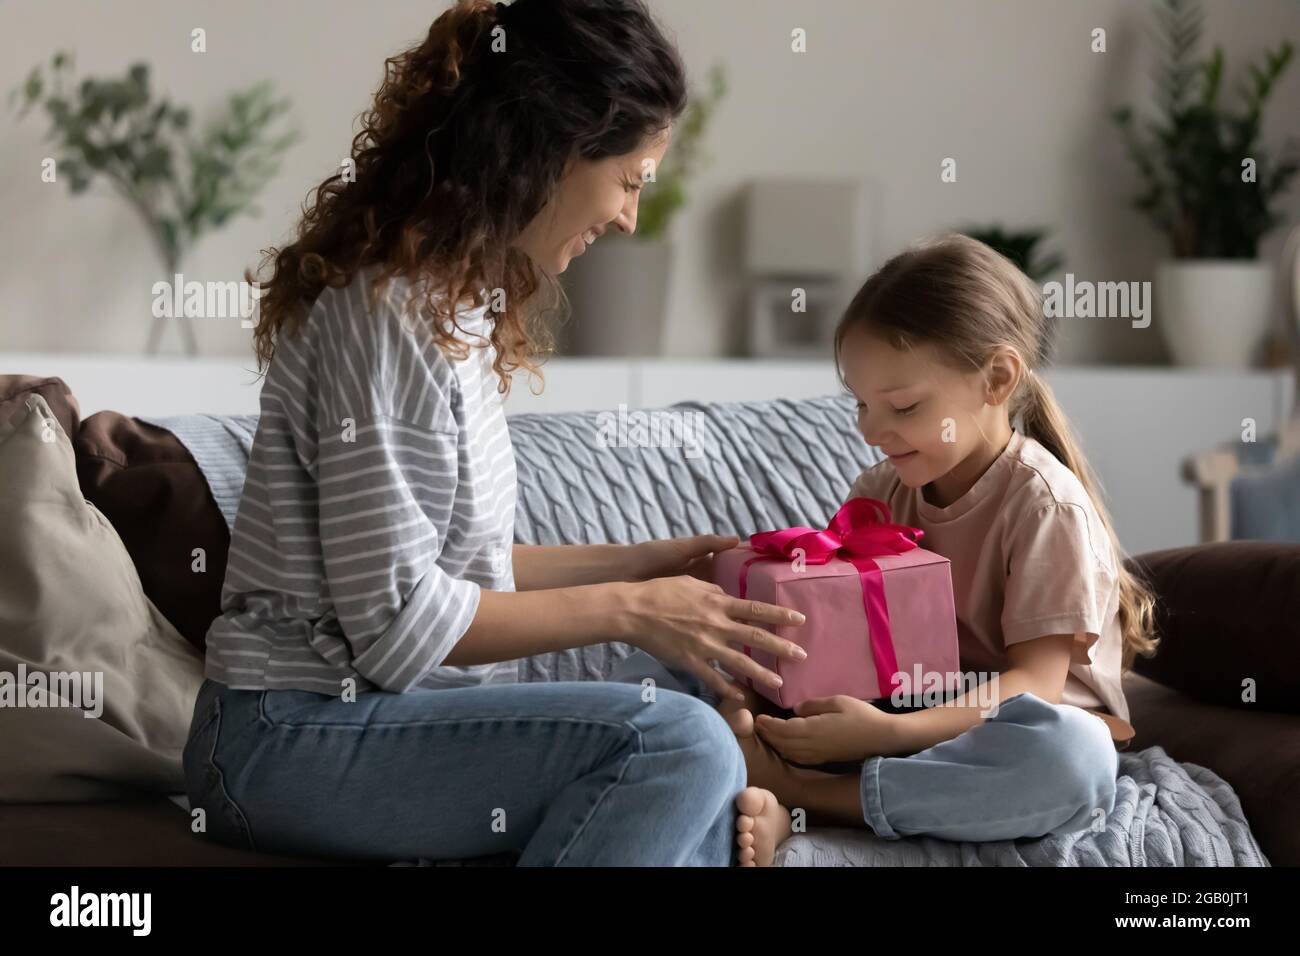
558	773
1031	769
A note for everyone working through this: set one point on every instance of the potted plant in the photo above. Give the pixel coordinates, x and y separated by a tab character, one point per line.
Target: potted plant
618	290
180	185
1211	187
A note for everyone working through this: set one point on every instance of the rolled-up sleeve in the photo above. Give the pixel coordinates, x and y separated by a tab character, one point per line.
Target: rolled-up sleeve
1056	582
400	612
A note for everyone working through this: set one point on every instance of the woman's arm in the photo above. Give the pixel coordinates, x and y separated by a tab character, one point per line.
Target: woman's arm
683	621
514	624
540	567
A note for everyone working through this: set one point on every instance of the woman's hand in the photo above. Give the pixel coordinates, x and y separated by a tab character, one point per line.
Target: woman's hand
686	623
667	557
830	729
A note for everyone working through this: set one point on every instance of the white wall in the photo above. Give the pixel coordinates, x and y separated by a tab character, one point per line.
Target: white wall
886	90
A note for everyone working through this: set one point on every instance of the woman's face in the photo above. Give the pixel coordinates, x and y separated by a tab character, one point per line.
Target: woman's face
590	197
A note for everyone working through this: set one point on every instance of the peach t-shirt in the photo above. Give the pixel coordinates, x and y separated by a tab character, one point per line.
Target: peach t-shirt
1030	557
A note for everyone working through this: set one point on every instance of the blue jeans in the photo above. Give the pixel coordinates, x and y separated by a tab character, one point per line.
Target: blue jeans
581	773
1030	769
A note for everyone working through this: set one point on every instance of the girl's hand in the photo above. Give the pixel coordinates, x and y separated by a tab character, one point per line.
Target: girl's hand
687	623
830	729
668	557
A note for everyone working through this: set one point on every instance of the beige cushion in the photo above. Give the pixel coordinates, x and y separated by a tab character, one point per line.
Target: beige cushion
71	601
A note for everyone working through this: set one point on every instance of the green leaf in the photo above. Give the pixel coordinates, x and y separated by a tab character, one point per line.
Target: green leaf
1213	76
34	85
156	163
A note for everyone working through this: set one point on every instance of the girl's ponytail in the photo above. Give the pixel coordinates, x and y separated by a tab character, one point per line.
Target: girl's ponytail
1042	420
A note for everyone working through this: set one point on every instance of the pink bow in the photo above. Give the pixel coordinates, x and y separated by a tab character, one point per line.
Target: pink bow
860	530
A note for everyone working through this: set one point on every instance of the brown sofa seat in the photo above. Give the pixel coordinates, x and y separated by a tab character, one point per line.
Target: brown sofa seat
148	832
1256	752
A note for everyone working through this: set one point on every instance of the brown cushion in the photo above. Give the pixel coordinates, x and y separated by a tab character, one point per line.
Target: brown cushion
148	485
80	637
1226	613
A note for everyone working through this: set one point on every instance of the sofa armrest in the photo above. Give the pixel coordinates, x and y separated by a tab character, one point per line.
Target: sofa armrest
1212	473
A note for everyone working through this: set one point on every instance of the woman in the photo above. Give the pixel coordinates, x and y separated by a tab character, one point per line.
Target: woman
359	698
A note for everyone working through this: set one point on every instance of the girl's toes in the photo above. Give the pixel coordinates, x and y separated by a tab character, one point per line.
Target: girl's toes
750	803
741	722
746	856
745	840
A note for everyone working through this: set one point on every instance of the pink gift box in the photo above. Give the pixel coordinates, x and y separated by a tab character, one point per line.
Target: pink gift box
917	591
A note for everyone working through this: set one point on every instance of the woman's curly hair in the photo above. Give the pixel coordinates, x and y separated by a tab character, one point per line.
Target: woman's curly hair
468	136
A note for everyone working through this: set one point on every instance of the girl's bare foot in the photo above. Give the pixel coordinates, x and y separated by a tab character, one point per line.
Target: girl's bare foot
762	825
766	768
753	701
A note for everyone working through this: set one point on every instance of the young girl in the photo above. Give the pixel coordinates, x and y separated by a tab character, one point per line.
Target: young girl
940	348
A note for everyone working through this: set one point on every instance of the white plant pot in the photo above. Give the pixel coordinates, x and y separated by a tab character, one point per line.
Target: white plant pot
1213	311
618	291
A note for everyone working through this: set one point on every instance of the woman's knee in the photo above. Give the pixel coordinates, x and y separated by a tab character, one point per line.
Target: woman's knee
707	745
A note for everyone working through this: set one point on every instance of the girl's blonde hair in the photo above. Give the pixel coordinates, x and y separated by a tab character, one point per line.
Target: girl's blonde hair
961	296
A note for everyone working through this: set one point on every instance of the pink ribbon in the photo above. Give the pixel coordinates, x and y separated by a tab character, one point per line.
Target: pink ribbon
861	530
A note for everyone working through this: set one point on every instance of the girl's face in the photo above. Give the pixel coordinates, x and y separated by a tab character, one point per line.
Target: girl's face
590	197
933	421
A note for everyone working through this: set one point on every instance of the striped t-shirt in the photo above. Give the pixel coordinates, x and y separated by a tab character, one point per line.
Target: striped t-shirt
380	498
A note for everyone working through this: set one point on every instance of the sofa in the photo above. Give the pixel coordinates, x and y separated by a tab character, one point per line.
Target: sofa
1227	612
